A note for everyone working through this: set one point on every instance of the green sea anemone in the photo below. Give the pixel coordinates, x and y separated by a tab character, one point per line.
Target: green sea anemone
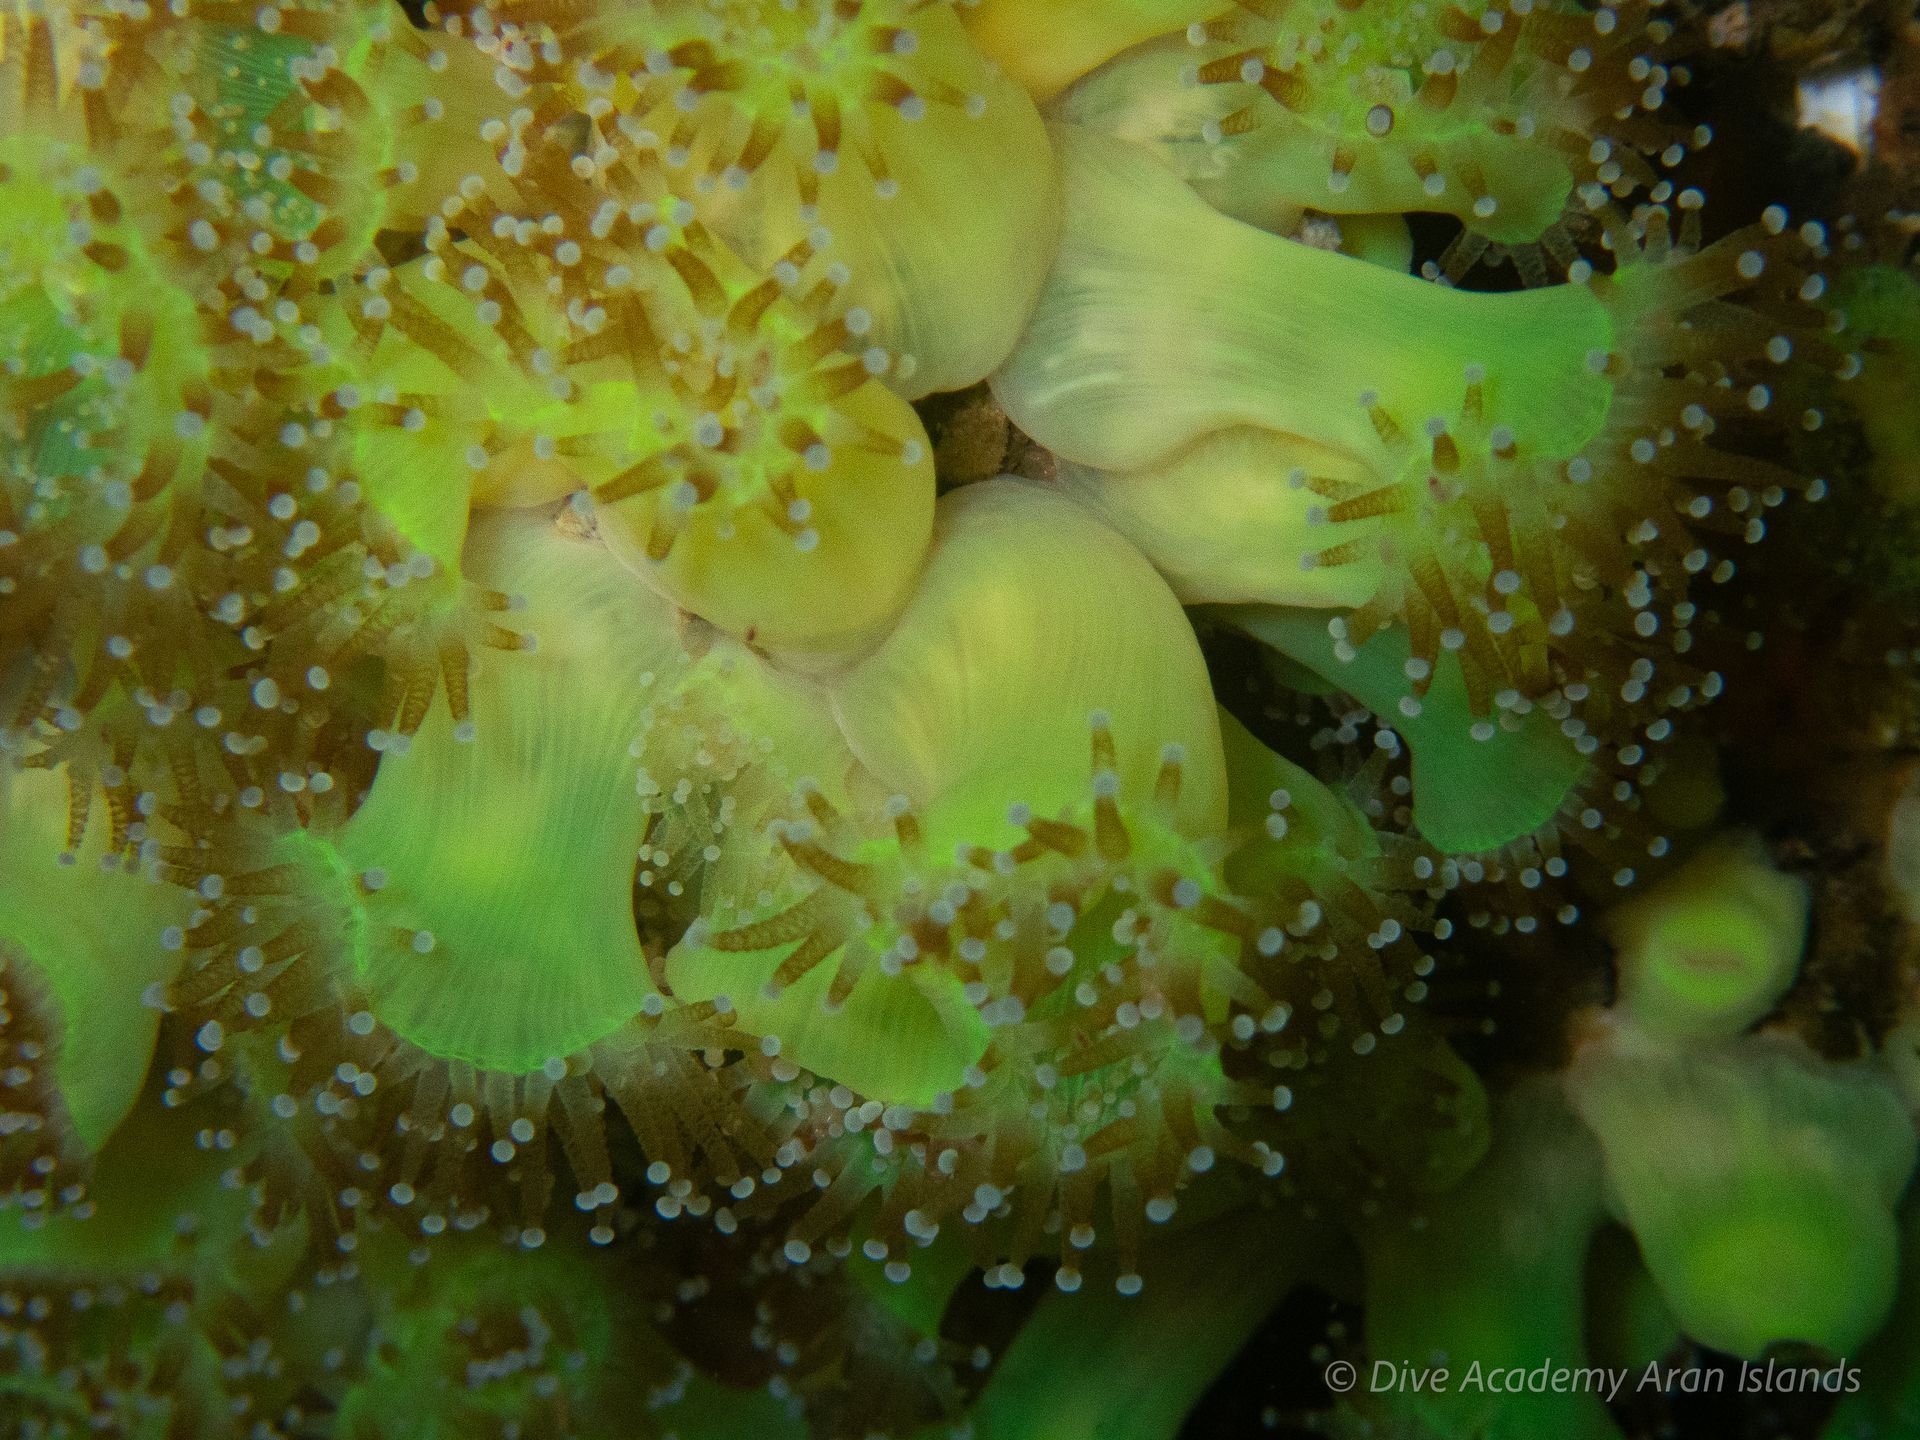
1710	949
1759	1182
624	638
1542	474
603	775
879	125
80	921
1495	114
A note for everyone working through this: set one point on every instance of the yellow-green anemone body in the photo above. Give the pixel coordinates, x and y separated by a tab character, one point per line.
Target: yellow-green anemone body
1481	461
1710	949
879	127
1759	1181
81	935
1030	617
1156	295
1491	114
1048	46
1100	1007
1039	1026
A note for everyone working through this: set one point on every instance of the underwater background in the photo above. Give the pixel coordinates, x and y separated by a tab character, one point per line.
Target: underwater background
1011	720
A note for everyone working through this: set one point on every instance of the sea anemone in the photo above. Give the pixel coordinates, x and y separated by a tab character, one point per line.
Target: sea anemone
602	765
1542	474
879	125
79	919
1496	114
1759	1182
577	858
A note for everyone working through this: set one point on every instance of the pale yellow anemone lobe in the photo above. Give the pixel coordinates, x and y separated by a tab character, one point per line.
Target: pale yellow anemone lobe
768	482
81	968
879	124
476	951
1029	617
1494	113
1048	44
1531	480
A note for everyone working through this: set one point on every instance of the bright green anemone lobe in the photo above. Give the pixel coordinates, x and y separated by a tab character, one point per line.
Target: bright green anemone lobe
1539	474
1030	617
880	124
1477	784
1491	1274
81	963
479	941
1485	111
480	898
1710	949
1759	1181
1048	45
484	889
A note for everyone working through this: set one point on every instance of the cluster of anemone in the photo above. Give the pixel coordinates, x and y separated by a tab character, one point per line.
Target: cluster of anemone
560	877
